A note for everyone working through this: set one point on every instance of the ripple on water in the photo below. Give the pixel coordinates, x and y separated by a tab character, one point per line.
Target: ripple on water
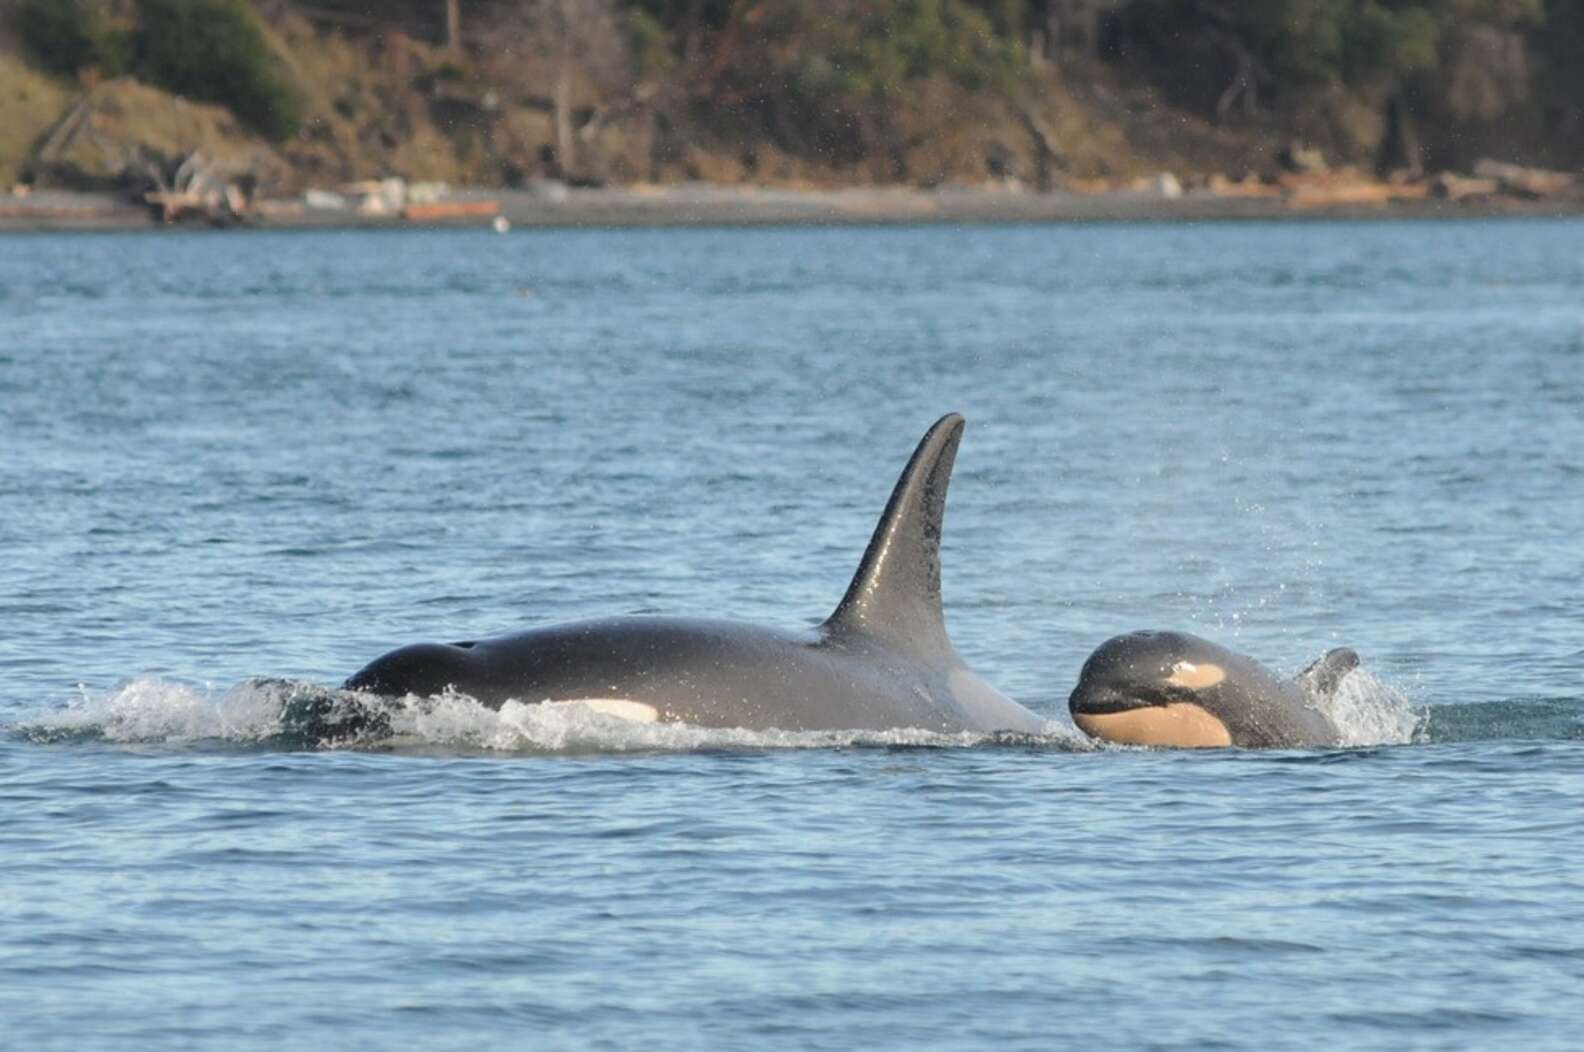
1285	437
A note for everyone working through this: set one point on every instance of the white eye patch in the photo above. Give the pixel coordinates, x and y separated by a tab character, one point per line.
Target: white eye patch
1195	677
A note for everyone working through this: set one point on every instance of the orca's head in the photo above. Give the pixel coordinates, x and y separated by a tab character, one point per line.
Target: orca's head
423	669
1155	688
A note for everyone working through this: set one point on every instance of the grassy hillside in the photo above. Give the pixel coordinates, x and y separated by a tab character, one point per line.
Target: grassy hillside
794	92
30	103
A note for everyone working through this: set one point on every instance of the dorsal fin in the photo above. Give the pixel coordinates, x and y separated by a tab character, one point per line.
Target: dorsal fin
1323	676
896	594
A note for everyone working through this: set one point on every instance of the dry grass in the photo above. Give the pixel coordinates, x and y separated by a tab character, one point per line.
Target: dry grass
30	103
391	105
368	115
128	122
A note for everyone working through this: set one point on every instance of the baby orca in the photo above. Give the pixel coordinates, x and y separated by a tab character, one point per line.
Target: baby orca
1175	689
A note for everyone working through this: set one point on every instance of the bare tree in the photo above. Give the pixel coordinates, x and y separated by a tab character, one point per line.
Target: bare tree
453	24
571	48
561	22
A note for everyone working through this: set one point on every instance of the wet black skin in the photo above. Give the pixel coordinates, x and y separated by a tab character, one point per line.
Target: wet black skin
710	674
1258	708
882	660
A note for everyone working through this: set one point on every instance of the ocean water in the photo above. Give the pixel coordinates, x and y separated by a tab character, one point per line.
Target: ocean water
234	460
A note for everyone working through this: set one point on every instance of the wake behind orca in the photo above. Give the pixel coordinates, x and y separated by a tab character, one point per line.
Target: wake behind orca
882	660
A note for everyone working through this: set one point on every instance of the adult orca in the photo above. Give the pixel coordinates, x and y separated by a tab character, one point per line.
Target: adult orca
1175	689
882	660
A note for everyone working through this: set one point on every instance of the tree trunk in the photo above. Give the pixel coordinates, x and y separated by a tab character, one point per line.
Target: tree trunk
563	91
453	24
693	33
1399	149
1241	87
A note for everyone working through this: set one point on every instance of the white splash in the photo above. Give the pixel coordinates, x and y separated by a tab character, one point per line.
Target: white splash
155	711
578	727
1369	712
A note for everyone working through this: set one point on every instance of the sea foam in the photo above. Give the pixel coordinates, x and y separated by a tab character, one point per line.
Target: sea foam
269	713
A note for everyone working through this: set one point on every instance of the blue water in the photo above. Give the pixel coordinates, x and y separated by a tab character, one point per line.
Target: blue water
276	455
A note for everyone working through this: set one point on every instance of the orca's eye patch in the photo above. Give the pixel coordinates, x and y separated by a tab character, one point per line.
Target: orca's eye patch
1195	676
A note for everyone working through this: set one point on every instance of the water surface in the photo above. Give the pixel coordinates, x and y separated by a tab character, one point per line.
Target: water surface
277	455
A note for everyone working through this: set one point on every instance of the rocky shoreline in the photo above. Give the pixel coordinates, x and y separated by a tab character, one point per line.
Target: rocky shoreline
712	205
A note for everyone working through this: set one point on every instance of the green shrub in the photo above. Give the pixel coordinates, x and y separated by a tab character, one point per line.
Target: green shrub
215	50
1301	43
647	44
868	53
66	36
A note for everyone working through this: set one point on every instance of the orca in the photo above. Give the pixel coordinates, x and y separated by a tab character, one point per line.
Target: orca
882	660
1176	689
